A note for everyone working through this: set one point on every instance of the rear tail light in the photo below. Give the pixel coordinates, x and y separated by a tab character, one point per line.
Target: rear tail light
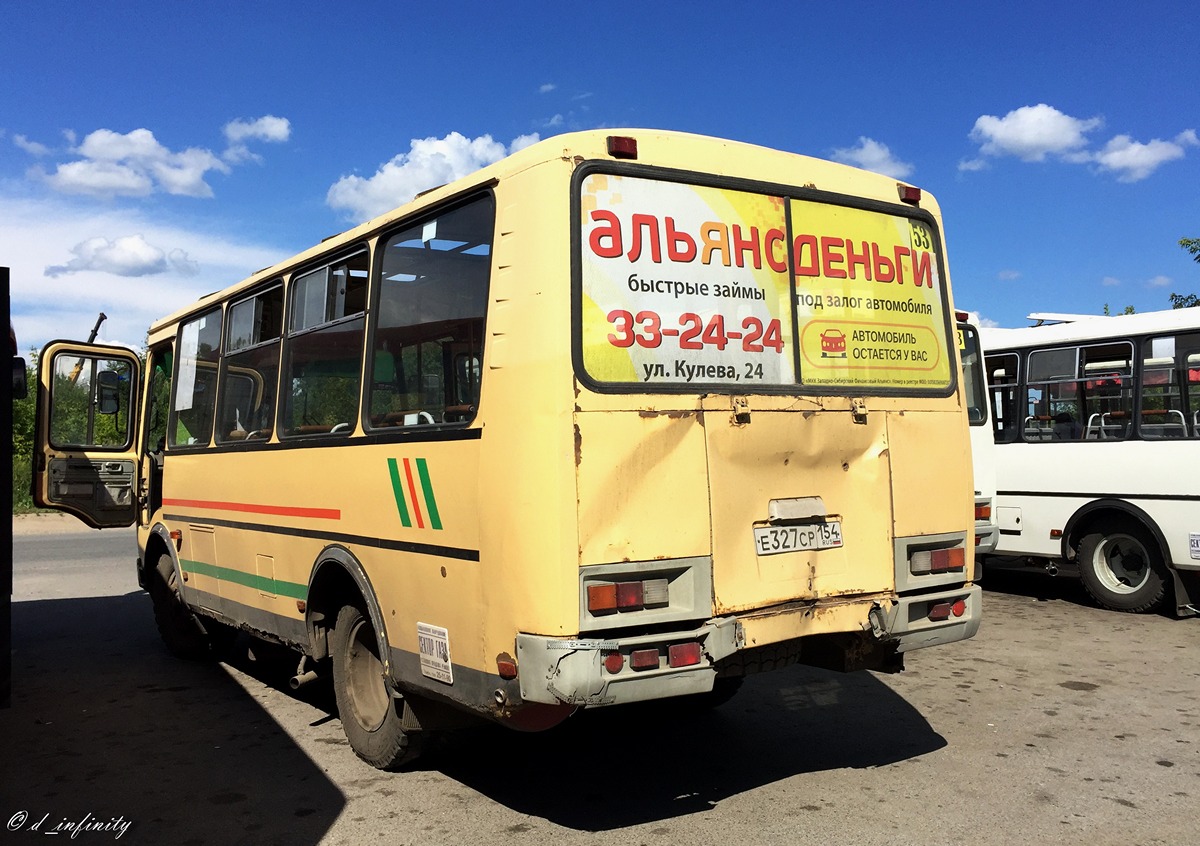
602	599
627	596
614	662
983	512
943	610
644	659
937	560
683	654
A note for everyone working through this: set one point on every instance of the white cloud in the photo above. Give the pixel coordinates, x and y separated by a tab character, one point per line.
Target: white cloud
267	128
1032	132
1110	281
1159	282
126	256
1133	161
32	239
430	162
546	88
31	147
271	129
874	156
1008	275
134	165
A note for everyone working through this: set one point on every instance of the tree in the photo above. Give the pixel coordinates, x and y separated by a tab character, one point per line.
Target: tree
1192	245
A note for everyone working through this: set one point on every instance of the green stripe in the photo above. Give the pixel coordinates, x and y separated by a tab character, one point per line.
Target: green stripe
430	502
398	492
251	580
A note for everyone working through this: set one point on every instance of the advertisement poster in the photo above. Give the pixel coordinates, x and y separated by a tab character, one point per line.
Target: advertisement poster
684	284
869	299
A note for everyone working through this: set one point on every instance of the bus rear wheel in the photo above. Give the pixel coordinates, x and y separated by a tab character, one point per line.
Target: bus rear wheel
1122	569
371	716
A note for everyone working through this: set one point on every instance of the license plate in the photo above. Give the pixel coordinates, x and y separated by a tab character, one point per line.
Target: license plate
775	540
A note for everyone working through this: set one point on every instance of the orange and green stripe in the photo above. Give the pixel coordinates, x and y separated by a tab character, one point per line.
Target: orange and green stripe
413	505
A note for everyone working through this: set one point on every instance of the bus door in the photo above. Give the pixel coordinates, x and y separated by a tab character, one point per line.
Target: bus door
86	432
801	504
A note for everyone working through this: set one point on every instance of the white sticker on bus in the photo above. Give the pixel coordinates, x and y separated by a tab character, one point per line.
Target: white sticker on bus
433	642
1194	539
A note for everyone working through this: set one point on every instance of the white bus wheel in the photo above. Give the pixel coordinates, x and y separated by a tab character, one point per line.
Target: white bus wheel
1121	568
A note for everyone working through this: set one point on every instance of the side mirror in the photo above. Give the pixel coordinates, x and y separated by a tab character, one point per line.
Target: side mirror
20	389
108	397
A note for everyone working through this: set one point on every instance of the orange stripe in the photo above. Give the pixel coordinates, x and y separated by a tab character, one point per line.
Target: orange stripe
251	508
412	491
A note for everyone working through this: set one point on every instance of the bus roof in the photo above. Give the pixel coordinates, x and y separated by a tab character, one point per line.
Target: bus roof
1088	328
678	150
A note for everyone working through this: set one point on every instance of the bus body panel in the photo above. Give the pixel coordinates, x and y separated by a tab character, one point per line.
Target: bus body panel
930	492
842	466
1036	497
642	486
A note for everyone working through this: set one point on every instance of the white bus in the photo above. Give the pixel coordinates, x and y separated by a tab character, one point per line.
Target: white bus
1097	431
983	456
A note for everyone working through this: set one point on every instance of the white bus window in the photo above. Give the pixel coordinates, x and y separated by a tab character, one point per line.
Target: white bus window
1108	390
1052	396
1170	388
428	352
1002	378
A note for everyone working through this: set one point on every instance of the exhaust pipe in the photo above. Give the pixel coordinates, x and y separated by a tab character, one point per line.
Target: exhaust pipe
300	679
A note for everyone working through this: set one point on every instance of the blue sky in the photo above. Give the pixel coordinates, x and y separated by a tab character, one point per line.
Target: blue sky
151	152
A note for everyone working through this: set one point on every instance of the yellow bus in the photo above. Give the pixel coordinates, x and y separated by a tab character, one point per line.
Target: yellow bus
624	416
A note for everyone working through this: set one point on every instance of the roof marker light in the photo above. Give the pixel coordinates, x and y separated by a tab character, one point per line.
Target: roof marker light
622	147
909	194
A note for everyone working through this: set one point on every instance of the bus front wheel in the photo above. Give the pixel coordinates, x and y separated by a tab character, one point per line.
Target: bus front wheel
371	716
185	634
1121	568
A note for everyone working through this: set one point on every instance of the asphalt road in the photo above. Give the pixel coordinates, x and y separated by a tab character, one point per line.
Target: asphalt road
1058	723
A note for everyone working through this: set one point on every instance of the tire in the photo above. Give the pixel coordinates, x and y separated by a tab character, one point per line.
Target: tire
1122	569
179	628
371	716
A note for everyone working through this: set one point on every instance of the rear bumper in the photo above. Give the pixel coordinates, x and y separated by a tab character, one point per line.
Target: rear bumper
574	672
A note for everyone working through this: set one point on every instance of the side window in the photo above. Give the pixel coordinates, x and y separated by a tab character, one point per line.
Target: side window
324	349
195	384
427	358
1002	376
1171	387
973	381
1052	402
91	402
250	367
159	365
1107	400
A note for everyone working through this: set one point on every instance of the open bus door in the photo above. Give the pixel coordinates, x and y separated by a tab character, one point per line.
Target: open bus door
86	433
